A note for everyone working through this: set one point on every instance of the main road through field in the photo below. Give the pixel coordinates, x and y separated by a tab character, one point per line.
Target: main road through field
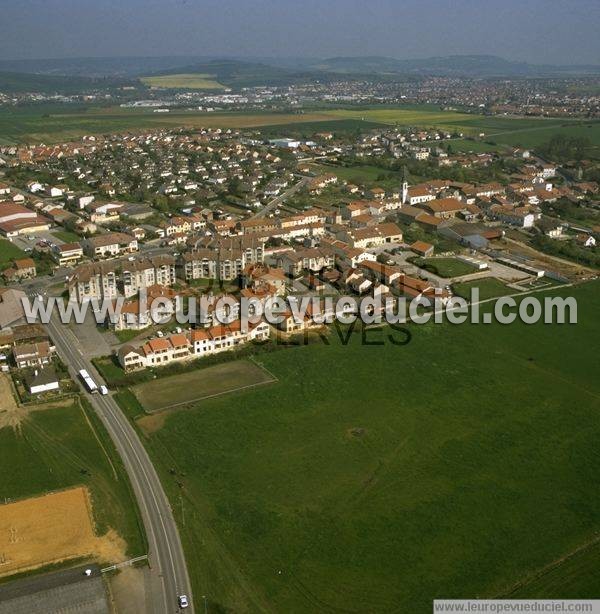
167	561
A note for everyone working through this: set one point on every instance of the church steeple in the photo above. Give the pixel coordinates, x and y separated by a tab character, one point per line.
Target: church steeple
404	185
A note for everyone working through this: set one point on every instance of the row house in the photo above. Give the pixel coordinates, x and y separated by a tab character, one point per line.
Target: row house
197	343
224	337
175	225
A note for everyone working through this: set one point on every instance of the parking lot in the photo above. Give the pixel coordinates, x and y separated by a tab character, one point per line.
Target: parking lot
63	591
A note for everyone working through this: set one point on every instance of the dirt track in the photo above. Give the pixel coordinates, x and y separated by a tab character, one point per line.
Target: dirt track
10	413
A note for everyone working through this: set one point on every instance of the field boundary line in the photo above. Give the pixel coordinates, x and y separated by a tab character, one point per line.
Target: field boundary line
261	366
211	396
550	567
96	436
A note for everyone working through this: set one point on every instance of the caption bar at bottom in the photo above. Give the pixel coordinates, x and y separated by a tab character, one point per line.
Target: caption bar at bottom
503	606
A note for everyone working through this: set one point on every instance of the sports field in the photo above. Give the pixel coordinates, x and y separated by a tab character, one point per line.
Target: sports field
189	81
444	267
489	287
59	446
194	386
50	529
377	477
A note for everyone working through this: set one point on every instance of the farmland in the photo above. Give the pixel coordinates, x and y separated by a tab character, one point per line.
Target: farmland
192	81
61	446
33	532
53	123
526	132
376	477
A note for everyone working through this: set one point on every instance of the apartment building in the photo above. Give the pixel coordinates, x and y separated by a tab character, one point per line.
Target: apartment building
146	272
96	280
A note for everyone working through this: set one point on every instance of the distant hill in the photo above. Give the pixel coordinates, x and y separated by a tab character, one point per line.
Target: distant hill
463	65
236	73
13	83
69	75
96	67
459	65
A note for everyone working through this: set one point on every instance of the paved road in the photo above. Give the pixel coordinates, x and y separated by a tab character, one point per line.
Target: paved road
166	556
278	200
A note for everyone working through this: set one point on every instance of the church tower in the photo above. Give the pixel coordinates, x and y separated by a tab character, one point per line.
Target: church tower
404	186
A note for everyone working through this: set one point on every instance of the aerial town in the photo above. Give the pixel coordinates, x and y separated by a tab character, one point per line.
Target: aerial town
227	211
299	307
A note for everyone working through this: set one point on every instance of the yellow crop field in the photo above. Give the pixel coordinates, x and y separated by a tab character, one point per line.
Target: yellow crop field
56	527
191	81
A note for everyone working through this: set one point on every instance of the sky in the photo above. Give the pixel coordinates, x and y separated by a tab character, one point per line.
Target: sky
537	31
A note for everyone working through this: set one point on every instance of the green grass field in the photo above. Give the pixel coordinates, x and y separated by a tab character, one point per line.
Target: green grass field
375	478
526	132
64	447
66	236
200	384
9	251
489	287
469	146
188	81
53	123
444	267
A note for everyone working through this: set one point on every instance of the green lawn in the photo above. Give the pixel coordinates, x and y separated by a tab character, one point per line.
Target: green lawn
64	447
67	236
444	267
467	146
200	384
489	287
8	252
375	478
124	336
